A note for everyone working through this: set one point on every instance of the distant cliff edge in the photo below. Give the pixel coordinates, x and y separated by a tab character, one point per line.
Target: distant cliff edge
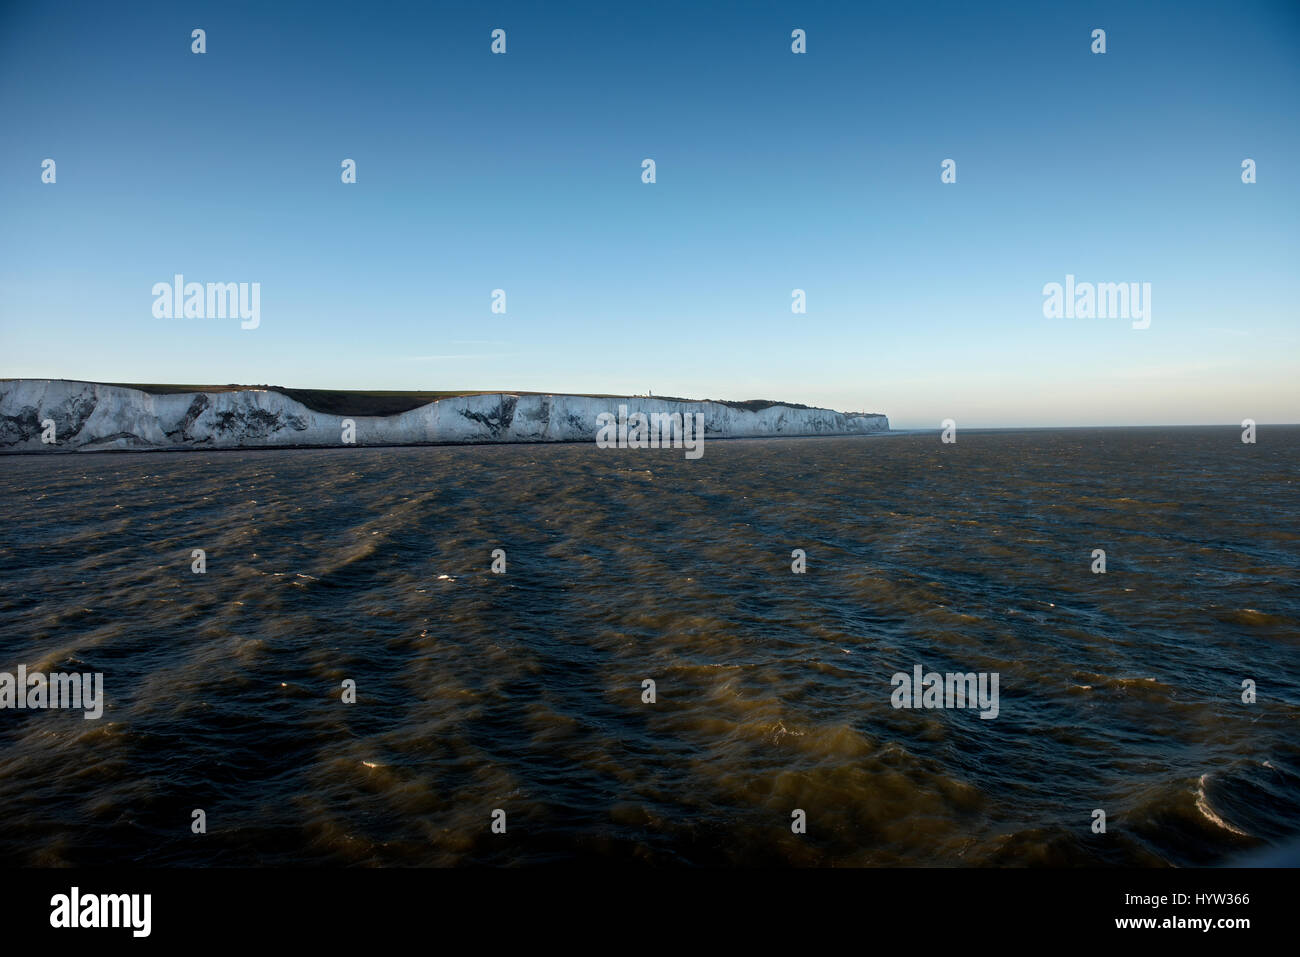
88	416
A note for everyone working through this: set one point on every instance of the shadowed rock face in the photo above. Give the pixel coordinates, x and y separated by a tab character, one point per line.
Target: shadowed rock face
19	426
497	421
95	417
191	416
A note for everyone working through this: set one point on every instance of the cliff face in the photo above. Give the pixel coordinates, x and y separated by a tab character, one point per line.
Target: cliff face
92	417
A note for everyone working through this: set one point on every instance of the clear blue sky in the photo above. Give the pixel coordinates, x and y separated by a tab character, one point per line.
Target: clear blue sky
775	171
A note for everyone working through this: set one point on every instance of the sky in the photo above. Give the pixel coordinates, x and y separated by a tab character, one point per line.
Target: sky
774	171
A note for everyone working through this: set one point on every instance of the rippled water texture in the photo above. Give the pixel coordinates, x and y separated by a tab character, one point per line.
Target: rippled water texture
523	691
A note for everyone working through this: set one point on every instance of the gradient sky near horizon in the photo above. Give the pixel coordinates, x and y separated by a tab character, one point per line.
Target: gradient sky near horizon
775	171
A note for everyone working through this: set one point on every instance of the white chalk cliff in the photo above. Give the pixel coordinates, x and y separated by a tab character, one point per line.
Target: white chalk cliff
94	417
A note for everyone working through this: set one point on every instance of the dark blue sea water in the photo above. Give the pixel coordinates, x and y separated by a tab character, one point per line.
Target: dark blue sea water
523	691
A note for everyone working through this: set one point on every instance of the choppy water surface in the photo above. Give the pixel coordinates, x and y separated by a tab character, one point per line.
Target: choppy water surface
523	691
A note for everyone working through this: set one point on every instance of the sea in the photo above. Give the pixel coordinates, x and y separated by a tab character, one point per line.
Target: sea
536	654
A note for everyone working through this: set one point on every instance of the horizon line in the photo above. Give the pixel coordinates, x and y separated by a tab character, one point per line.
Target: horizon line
454	393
